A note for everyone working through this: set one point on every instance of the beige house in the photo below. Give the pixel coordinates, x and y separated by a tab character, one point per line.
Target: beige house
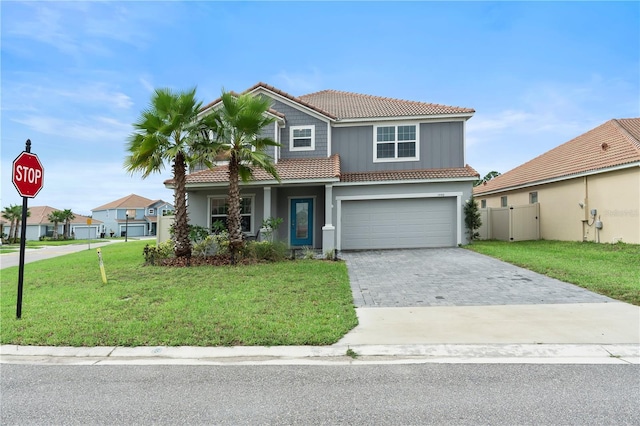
588	188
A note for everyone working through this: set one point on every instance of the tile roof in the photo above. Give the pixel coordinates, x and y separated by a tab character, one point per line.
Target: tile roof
426	174
339	105
329	169
614	143
130	201
345	105
288	169
38	216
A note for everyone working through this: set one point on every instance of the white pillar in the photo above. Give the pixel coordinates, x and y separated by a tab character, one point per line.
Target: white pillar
328	230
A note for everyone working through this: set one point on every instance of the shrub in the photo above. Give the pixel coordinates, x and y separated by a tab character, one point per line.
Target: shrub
267	250
153	255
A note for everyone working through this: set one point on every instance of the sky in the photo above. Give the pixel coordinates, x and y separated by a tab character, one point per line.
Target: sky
74	76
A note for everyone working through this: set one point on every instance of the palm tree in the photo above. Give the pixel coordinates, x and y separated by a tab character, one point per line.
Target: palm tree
492	174
236	126
55	217
167	131
17	213
67	217
12	214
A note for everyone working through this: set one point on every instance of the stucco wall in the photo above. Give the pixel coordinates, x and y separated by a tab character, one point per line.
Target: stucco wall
615	195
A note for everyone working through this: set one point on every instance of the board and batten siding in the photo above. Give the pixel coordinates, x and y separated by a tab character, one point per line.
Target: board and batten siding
441	146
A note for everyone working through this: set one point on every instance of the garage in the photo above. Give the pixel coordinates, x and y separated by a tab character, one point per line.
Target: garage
398	223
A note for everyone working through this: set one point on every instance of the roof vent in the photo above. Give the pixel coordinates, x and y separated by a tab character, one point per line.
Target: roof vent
604	146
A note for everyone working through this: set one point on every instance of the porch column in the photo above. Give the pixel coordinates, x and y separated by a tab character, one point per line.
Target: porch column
328	230
266	209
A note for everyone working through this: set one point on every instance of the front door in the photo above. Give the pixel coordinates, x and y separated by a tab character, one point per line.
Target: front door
302	222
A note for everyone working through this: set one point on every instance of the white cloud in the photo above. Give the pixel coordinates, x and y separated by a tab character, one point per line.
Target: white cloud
94	129
299	83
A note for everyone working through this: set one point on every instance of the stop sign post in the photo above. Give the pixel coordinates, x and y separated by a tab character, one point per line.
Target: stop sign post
28	178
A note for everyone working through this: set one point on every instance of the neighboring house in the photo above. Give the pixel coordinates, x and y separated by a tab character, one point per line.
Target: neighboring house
588	188
357	172
133	214
39	225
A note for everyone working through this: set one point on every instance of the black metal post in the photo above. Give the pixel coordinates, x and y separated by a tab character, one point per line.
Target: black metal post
23	238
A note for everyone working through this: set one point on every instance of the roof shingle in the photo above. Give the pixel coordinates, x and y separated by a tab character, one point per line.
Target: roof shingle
130	201
399	175
614	143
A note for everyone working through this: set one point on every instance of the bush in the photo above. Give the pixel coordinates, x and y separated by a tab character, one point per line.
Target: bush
154	255
275	251
205	247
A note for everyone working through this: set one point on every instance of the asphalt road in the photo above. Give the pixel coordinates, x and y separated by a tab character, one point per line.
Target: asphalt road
449	394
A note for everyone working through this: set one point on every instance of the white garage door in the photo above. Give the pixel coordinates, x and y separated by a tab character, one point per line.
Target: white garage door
398	223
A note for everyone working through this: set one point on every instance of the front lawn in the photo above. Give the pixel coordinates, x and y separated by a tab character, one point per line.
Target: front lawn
609	269
65	303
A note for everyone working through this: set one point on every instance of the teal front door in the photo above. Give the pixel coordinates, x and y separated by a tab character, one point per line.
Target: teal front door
302	222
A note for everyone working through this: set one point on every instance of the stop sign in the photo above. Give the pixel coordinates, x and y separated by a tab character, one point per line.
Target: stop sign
28	174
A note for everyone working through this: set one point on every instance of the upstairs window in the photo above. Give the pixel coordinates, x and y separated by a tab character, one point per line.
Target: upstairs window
503	201
302	138
151	212
483	204
395	143
533	197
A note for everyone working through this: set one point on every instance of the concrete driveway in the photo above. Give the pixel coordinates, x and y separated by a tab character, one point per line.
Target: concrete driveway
453	295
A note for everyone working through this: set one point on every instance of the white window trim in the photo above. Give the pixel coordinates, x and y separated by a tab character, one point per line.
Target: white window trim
395	159
304	148
252	227
151	212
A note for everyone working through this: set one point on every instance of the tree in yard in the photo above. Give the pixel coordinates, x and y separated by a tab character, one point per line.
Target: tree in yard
13	214
55	217
235	127
472	218
67	217
168	131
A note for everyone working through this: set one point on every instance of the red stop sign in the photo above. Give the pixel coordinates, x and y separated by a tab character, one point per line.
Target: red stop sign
28	174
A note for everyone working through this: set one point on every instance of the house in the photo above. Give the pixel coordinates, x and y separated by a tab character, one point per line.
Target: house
588	188
39	225
133	214
357	172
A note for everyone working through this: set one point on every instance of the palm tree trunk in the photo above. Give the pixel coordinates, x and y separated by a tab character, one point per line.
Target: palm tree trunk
183	244
235	233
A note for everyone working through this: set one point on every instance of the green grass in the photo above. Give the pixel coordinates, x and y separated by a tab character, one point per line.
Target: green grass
11	248
66	303
609	269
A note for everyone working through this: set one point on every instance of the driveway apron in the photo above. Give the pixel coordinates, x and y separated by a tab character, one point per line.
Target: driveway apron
451	277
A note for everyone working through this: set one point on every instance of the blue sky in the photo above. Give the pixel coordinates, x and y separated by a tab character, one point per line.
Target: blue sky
75	75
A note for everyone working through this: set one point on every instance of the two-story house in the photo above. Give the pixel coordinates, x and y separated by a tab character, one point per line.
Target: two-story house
357	172
133	215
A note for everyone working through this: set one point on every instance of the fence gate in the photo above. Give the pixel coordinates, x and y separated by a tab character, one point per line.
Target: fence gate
515	223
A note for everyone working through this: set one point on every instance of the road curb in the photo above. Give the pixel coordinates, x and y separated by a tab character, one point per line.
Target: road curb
336	354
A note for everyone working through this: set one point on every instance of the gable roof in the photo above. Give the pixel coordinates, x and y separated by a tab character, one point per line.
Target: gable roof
347	105
338	105
131	201
38	216
612	144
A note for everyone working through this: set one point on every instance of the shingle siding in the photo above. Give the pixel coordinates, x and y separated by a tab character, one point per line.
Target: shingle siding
296	117
441	146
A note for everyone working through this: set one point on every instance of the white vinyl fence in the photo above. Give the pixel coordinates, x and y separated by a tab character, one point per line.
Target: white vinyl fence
515	223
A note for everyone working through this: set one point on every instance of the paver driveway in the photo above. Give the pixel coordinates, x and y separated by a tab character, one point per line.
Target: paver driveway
451	277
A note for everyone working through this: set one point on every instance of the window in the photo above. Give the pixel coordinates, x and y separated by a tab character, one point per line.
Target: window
220	210
302	138
151	212
503	201
533	197
395	143
483	204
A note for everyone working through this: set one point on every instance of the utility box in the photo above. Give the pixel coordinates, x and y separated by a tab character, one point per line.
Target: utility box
598	224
